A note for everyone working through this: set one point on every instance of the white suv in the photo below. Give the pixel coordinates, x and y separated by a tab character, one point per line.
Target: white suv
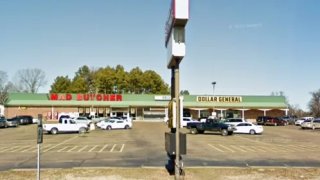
301	120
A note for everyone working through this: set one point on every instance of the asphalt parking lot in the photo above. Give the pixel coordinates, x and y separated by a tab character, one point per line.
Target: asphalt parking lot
143	145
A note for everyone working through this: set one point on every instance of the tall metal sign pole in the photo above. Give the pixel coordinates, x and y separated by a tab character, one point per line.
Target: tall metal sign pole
175	44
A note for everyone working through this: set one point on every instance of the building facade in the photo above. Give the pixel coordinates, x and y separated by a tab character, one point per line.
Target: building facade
142	106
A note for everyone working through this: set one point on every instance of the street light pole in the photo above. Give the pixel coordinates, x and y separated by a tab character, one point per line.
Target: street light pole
213	86
213	110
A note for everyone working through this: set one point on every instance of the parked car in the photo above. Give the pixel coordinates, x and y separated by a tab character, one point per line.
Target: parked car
82	120
275	121
3	122
183	122
301	120
290	119
187	120
248	128
103	122
117	124
24	119
311	124
67	125
210	125
261	120
233	121
12	122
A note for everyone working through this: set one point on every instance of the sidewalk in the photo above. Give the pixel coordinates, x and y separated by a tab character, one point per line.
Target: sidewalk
149	173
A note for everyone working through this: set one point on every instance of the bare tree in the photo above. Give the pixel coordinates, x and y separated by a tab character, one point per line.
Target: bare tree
314	103
30	80
295	110
3	88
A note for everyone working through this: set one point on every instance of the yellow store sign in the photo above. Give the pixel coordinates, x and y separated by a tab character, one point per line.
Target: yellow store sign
227	99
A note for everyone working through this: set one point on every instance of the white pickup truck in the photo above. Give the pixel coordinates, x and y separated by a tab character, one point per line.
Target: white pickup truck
67	125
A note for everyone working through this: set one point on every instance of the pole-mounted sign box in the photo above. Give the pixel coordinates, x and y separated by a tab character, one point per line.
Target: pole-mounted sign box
175	32
39	130
178	16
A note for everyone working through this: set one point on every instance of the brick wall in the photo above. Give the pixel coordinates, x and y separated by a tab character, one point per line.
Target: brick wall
252	115
34	111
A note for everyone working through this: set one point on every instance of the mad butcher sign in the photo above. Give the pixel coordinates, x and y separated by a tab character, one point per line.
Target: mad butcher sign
85	97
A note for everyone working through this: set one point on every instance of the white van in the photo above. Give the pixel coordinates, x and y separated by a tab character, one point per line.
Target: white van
302	119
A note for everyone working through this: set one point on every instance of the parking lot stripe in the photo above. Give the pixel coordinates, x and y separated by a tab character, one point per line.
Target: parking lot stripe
75	147
279	148
259	148
104	147
60	144
20	148
121	148
269	148
43	148
29	149
93	148
114	146
238	148
62	149
288	148
307	148
8	149
248	148
83	148
216	148
4	147
225	147
296	148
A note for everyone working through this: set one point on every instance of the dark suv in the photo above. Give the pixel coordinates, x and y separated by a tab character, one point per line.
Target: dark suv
275	121
24	119
261	120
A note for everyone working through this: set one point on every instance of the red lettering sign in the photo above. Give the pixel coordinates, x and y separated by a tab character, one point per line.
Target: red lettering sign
99	97
119	97
54	97
68	97
86	97
79	97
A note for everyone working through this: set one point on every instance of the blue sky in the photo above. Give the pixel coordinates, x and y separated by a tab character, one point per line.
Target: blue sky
248	47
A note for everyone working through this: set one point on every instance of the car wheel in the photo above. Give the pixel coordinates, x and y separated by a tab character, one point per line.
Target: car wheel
224	132
126	127
252	132
193	131
108	128
82	130
54	131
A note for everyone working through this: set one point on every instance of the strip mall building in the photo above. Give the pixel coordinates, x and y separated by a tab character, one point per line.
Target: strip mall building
142	106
